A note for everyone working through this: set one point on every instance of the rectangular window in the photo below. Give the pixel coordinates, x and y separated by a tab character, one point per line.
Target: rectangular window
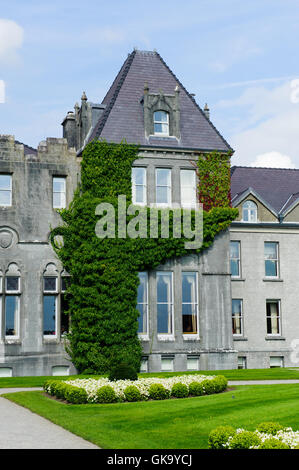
139	186
50	284
164	303
273	317
271	259
235	266
12	284
5	190
167	364
50	310
276	361
59	192
12	315
163	186
144	364
189	302
242	363
237	316
142	303
192	363
188	188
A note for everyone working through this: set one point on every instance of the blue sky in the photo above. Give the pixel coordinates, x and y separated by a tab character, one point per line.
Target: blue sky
239	57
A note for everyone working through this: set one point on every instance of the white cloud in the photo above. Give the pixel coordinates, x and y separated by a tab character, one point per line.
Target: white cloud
273	160
267	126
11	39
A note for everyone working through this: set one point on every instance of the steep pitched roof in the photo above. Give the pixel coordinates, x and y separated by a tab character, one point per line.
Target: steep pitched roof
123	115
27	149
278	187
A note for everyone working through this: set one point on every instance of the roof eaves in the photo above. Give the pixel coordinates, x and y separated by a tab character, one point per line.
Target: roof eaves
250	190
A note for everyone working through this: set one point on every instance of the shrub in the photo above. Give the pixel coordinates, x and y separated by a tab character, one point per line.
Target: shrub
220	383
123	371
179	390
196	389
49	386
269	427
273	443
75	395
219	437
244	440
106	394
208	386
158	392
132	393
60	389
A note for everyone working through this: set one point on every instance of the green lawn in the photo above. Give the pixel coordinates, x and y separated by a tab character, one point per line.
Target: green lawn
236	374
169	424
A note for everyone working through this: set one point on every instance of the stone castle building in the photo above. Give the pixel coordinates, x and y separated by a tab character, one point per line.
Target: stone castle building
216	310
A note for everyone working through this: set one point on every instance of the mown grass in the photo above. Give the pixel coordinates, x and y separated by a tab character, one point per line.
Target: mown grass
235	374
170	424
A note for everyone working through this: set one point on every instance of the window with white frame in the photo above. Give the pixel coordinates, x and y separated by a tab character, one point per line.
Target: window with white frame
161	123
192	362
189	302
235	260
5	190
12	306
59	192
188	188
167	363
139	185
249	211
237	317
64	306
271	259
142	303
242	362
50	299
163	186
164	302
273	317
276	361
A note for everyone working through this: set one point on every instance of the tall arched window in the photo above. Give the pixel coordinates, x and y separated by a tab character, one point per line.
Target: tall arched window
249	211
161	123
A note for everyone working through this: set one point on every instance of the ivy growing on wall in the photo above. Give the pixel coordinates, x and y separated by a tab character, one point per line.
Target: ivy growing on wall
104	271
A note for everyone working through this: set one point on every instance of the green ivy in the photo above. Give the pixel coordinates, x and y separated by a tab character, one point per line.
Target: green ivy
104	272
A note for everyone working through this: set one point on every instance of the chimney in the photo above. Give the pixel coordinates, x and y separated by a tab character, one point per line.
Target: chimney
207	111
69	129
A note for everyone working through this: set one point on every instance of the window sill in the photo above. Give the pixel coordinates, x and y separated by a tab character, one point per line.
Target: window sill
240	338
165	338
190	337
143	337
8	340
272	279
274	338
237	278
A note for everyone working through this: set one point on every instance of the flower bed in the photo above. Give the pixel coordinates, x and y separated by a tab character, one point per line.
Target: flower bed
267	436
105	391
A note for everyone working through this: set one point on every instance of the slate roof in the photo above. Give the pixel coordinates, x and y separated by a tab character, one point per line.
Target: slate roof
279	187
27	149
123	115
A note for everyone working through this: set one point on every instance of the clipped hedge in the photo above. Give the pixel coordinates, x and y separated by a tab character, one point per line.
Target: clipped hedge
103	390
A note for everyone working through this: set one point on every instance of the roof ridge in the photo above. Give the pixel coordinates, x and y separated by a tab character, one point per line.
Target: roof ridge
264	168
120	78
193	100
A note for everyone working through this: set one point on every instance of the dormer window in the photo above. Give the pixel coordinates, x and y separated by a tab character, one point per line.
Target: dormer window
161	123
249	210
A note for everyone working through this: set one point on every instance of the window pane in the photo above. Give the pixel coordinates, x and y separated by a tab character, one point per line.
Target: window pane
270	250
11	315
139	194
164	319
164	293
64	283
138	175
192	363
234	249
167	364
234	267
59	184
161	116
272	318
12	283
5	198
163	195
163	176
50	284
237	316
142	303
189	290
5	182
270	268
49	314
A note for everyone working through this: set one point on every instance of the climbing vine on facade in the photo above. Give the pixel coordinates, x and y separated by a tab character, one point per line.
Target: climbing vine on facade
104	271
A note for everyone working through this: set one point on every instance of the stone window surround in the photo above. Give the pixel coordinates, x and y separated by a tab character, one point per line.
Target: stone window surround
176	301
12	271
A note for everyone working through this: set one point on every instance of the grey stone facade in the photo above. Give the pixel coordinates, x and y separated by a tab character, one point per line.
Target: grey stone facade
25	252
